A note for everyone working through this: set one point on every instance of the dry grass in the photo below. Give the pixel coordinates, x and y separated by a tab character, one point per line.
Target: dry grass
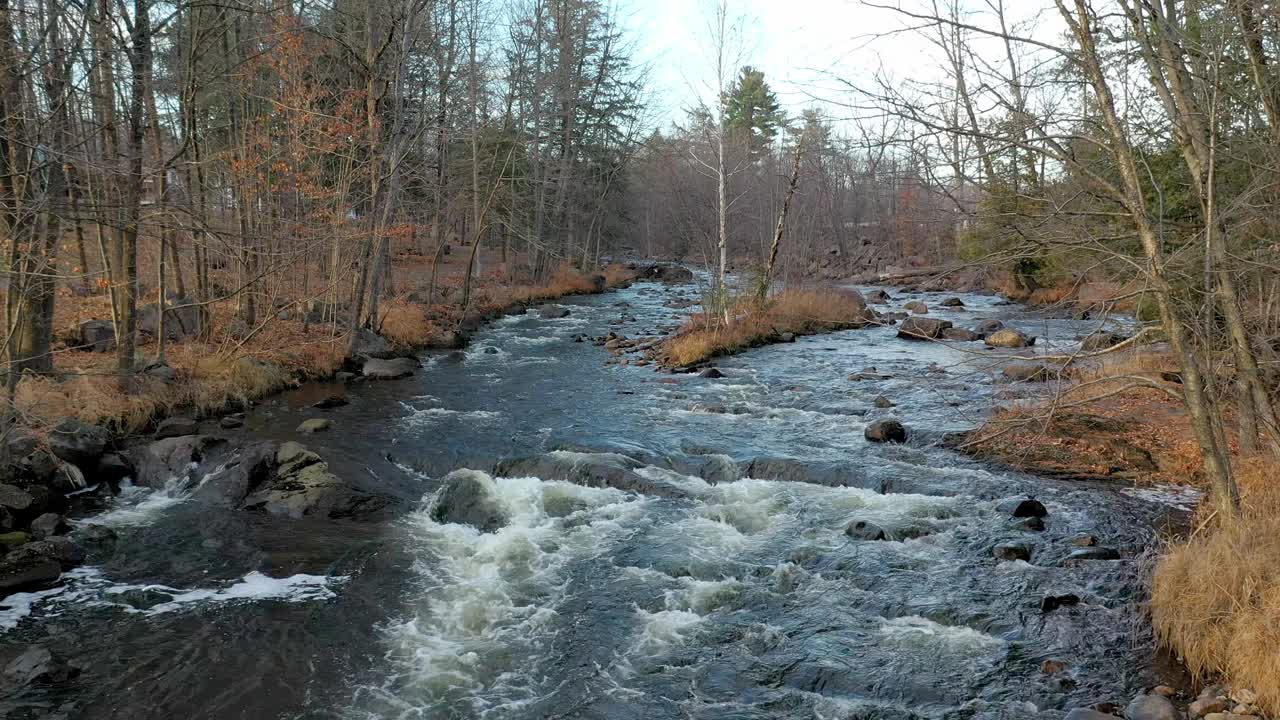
1216	597
800	312
405	324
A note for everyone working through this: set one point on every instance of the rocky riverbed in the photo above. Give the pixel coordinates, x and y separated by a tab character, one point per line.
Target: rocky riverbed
541	525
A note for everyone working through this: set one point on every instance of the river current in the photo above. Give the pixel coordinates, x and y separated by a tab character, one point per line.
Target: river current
734	592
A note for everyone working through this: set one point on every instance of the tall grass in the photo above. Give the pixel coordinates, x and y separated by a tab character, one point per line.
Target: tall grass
1216	597
800	312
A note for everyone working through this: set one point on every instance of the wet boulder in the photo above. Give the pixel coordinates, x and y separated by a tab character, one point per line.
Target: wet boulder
878	297
591	469
987	327
1049	603
176	427
78	442
863	530
62	550
303	487
24	572
1030	524
888	430
1101	341
48	525
917	328
952	302
1010	551
96	335
1151	707
1009	338
1087	714
917	307
1023	508
711	374
470	497
960	335
245	471
14	499
157	463
883	402
388	369
112	468
553	312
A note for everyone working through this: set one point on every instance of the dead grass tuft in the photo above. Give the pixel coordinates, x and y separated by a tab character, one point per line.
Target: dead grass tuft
800	312
1216	597
405	324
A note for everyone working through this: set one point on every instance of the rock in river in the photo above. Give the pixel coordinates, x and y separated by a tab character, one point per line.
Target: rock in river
303	486
388	369
176	427
1023	508
888	430
1151	707
315	425
78	442
863	530
470	497
1012	551
917	328
1009	338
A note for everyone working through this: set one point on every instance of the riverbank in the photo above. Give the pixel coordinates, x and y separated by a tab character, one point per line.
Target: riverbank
1214	587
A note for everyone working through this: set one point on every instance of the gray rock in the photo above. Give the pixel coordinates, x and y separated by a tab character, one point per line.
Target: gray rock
344	377
1030	524
112	468
388	369
182	319
917	328
711	373
1012	551
986	327
157	463
330	402
863	530
960	335
917	307
97	335
78	442
1151	707
369	344
883	402
879	297
14	498
230	422
48	525
888	430
304	487
60	549
552	312
952	302
20	573
469	497
236	478
176	427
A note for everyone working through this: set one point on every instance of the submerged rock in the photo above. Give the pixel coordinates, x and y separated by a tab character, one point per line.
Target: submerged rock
314	425
1023	508
1012	551
863	530
1093	553
1049	603
470	497
888	430
552	312
37	665
960	335
711	374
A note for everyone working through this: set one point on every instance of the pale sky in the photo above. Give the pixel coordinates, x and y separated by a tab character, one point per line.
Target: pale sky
797	43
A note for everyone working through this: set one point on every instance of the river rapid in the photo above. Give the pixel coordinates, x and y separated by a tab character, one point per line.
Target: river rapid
727	589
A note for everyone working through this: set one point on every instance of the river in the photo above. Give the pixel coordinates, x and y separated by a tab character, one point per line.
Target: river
718	597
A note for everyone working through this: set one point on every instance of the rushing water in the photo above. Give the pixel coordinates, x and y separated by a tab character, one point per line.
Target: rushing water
729	599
